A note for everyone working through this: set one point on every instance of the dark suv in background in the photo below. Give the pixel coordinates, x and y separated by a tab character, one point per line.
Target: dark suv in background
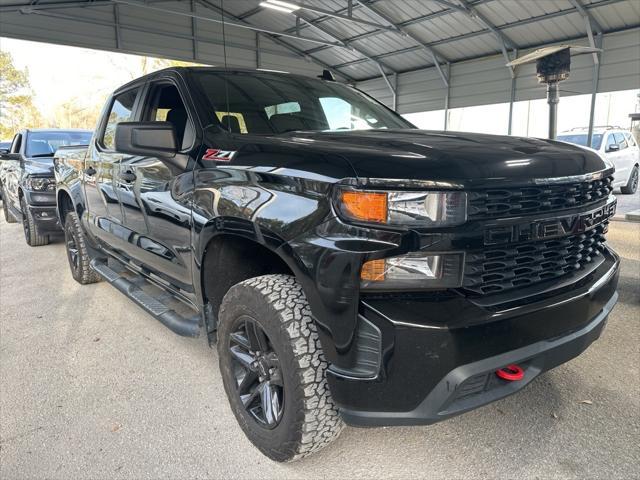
27	181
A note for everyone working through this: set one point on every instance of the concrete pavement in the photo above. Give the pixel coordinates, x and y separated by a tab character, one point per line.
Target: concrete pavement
92	387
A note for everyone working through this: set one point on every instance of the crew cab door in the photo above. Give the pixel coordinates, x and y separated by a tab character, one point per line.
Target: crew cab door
105	217
10	173
156	198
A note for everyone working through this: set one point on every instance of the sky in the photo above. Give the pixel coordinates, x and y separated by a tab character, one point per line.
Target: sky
94	74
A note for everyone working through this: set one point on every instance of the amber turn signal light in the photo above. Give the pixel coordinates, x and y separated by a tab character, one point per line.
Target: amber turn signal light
365	206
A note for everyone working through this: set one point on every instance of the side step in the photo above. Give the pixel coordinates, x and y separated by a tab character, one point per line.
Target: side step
131	285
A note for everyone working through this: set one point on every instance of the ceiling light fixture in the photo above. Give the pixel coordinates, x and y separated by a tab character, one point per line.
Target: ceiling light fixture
280	6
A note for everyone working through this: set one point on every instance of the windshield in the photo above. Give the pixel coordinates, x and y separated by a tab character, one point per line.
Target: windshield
268	103
581	139
44	144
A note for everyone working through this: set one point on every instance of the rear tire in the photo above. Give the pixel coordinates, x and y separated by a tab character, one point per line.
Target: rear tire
31	234
77	252
632	185
299	417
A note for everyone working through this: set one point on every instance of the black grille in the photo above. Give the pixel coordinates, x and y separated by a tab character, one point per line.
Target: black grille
496	270
505	202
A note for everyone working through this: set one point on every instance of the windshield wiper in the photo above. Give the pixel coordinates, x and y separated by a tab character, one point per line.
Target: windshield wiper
41	155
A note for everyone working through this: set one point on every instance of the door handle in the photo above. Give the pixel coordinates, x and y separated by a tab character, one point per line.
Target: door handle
90	171
128	176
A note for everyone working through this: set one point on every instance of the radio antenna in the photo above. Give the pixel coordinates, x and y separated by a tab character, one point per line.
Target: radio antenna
224	76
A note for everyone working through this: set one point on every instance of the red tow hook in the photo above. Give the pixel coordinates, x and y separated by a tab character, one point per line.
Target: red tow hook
511	373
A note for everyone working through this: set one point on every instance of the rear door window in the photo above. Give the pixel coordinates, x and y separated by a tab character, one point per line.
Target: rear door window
620	140
630	140
121	111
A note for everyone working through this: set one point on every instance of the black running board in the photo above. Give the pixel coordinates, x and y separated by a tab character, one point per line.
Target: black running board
182	325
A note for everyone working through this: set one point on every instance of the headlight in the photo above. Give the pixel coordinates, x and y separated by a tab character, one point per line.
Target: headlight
411	208
413	271
40	184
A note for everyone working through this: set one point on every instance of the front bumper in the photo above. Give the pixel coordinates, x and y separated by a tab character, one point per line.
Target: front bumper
42	206
439	356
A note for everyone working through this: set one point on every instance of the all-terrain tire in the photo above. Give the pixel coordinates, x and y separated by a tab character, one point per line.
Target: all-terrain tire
8	216
310	419
77	252
31	234
632	185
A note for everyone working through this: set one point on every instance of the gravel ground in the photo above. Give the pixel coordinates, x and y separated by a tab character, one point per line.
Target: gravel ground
92	387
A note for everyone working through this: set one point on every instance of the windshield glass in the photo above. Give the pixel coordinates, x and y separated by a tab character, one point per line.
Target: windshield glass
581	139
44	144
268	103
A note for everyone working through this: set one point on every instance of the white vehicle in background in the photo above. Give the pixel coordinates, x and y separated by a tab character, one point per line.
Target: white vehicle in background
618	146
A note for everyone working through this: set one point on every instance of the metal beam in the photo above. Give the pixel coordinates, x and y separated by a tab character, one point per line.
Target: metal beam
503	40
194	30
133	3
469	35
279	41
434	55
333	36
329	13
579	6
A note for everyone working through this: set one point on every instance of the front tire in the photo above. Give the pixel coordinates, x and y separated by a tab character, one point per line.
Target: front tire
273	368
632	185
77	252
31	234
8	217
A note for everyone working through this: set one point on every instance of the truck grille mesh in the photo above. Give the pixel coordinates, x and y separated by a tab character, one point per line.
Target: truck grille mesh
499	269
506	202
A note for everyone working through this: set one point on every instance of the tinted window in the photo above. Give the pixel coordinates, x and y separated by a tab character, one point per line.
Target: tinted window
620	140
121	111
630	140
166	105
44	144
268	103
581	139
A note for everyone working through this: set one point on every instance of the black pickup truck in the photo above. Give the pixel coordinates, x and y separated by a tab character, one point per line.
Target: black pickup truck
27	182
350	267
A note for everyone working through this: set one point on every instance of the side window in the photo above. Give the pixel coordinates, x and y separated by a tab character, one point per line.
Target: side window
610	141
121	111
630	140
15	145
620	140
164	104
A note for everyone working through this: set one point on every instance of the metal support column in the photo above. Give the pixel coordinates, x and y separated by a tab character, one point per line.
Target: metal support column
446	98
594	89
553	98
512	97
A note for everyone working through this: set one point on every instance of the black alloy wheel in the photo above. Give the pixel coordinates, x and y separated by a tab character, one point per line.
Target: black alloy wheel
257	372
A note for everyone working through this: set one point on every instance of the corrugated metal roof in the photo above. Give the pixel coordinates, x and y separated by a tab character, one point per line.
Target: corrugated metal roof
357	47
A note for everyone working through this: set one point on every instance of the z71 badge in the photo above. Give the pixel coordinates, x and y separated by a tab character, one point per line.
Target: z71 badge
545	229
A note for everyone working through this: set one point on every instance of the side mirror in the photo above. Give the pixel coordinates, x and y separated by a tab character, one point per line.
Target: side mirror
613	148
151	139
147	139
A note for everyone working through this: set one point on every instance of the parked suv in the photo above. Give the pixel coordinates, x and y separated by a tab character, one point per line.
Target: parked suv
616	145
27	181
350	267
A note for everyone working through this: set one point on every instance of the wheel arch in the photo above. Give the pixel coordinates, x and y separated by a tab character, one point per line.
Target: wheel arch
240	257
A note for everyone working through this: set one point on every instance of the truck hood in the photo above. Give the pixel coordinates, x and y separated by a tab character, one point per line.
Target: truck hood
454	156
39	166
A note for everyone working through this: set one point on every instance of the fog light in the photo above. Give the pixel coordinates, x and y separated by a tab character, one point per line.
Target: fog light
413	271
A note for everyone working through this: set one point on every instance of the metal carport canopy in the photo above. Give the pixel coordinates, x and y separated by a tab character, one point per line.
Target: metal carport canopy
415	55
